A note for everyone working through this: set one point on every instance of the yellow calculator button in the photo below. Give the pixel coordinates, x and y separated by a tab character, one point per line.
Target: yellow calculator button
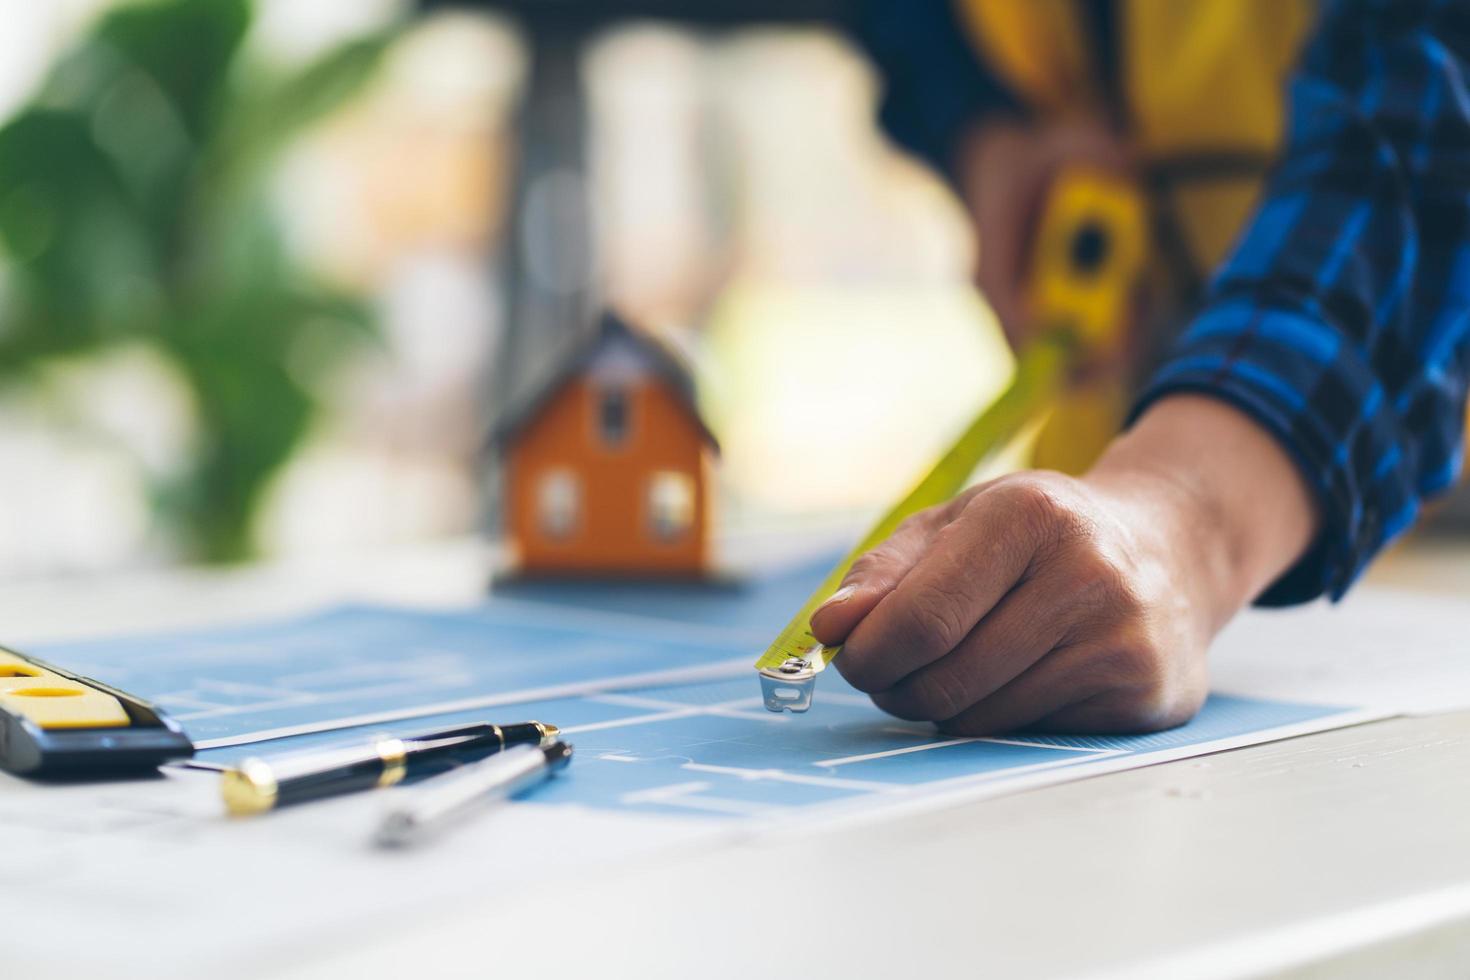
53	701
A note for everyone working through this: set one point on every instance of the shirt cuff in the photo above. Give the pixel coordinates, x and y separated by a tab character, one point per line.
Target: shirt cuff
1299	379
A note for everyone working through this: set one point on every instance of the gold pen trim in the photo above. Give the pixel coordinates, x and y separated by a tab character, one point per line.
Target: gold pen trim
549	733
395	761
249	789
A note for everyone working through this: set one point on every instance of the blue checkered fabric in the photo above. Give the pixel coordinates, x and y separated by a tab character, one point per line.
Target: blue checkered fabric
1341	321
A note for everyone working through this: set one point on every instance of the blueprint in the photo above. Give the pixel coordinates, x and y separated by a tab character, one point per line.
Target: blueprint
652	684
355	664
711	749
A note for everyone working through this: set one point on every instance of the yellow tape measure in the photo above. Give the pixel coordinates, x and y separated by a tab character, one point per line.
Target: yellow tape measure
1089	254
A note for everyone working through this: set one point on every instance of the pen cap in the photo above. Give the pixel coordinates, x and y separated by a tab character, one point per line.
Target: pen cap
558	754
529	733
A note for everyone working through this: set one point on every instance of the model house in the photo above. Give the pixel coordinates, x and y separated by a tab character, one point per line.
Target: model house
607	463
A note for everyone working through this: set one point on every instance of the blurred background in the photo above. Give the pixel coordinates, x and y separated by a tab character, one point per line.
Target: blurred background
254	256
257	260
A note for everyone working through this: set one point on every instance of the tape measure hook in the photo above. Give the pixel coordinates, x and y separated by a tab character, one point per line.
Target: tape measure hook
790	686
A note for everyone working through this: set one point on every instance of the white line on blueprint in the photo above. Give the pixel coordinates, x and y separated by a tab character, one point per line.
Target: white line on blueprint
1049	745
723	709
782	776
765	717
715	804
597	726
1009	772
259	690
676	710
1099	753
892	752
683	795
721	670
416	660
183	700
662	794
633	701
297	700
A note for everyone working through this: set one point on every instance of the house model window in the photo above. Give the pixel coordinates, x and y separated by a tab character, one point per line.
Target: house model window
558	503
670	504
612	415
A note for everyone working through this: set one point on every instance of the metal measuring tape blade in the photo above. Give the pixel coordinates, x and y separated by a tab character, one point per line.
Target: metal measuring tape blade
1090	249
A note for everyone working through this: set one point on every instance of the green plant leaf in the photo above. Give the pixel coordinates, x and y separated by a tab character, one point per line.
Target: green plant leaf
83	267
187	46
133	206
296	101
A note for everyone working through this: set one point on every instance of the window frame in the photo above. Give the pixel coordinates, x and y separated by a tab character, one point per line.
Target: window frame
657	505
567	482
620	395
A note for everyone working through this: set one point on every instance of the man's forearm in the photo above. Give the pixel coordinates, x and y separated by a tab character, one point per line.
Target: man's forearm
1237	496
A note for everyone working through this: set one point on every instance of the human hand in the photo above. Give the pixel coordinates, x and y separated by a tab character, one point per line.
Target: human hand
1036	600
1047	602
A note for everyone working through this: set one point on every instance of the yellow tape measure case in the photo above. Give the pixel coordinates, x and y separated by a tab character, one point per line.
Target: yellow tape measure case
56	723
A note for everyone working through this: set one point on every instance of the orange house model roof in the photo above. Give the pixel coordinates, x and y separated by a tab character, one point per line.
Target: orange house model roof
607	463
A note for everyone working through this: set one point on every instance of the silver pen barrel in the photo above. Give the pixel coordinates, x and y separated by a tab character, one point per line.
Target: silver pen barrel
443	800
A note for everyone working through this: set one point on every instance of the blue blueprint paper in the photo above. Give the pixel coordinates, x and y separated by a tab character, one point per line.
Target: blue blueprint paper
711	750
354	661
707	749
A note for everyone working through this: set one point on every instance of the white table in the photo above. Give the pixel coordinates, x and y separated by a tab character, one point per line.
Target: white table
1342	854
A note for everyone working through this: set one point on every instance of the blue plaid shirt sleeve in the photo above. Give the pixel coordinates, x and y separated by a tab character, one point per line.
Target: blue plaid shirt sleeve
1341	322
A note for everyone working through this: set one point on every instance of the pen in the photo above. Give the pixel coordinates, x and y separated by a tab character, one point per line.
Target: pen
258	785
442	800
